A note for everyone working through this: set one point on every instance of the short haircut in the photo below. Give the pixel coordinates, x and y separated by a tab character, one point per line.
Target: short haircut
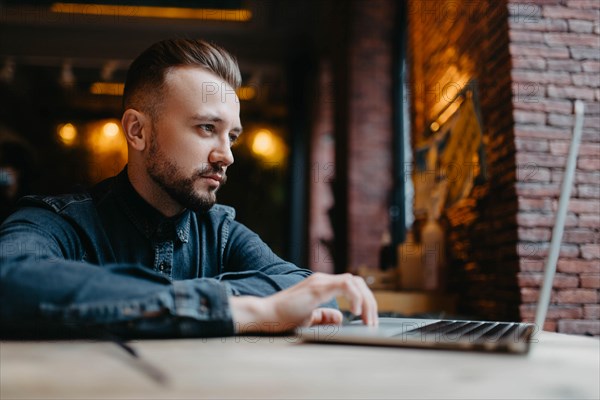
146	76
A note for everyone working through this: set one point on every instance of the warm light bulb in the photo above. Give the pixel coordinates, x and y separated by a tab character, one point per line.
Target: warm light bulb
110	129
263	143
67	134
246	92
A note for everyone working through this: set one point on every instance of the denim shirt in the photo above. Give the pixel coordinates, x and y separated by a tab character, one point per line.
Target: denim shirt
108	259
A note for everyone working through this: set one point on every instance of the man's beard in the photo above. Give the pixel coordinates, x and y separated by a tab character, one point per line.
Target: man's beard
180	188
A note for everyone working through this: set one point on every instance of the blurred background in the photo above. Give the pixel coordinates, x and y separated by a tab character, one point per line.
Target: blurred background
419	143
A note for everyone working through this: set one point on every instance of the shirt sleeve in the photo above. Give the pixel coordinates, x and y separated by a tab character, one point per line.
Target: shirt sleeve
43	281
252	268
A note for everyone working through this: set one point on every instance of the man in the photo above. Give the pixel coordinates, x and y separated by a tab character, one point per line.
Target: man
148	253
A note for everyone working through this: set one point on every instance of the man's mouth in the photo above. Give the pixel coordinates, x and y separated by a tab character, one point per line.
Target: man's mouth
214	178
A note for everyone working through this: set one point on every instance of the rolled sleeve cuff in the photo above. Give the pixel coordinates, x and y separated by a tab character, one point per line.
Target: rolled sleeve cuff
202	305
192	308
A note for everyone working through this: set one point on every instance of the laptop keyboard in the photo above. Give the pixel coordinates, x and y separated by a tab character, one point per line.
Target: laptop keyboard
460	330
474	331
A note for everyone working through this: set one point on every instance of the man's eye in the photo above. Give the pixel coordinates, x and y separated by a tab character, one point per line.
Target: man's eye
207	127
233	139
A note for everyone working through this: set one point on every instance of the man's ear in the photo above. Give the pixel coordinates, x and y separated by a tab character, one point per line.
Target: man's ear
136	126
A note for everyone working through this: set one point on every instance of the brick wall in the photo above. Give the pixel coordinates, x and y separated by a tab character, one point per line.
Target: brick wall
555	48
530	60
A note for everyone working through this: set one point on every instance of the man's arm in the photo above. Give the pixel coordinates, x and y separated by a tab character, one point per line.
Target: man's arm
252	268
43	281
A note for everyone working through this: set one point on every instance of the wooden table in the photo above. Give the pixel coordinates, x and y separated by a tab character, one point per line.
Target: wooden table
410	302
559	366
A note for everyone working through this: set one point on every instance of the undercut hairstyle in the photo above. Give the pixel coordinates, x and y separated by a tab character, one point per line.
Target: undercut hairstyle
145	79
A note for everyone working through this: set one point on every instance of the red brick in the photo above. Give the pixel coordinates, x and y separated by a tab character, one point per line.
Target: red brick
590	149
591	311
539	25
566	12
547	105
589	164
571	39
591	281
581	26
584	206
580	236
559	147
527	204
534	234
590	251
526	249
529	117
538	50
540	159
527	36
591	121
560	120
533	173
533	145
555	77
554	311
537	190
585	4
529	219
570	92
578	266
564	65
541	132
535	279
588	191
579	327
584	53
535	63
577	296
531	265
591	66
589	221
591	135
530	92
586	79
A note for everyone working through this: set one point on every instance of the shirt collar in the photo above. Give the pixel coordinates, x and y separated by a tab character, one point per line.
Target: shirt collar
148	220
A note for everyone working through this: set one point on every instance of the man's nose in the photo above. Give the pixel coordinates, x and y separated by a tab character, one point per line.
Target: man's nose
221	154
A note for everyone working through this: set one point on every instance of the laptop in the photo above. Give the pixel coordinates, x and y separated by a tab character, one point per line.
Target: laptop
496	336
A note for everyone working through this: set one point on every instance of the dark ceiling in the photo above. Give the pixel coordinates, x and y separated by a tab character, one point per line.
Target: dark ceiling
37	43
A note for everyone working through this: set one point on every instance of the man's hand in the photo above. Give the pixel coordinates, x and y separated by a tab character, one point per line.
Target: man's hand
298	305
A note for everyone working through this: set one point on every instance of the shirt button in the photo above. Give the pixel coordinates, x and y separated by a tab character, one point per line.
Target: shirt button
162	266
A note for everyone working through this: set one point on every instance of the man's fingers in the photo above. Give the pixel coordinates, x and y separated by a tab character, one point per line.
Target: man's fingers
326	316
369	315
353	293
322	287
362	301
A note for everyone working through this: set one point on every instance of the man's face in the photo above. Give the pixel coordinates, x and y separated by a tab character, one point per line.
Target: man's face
190	143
